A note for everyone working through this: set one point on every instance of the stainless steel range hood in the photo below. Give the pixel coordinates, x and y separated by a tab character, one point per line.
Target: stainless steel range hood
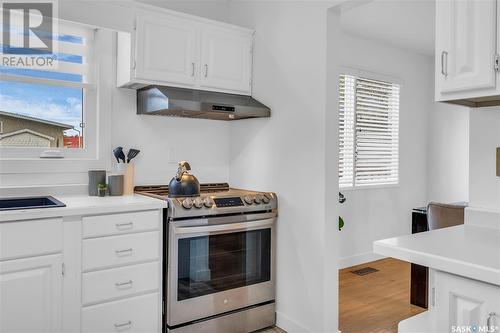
190	103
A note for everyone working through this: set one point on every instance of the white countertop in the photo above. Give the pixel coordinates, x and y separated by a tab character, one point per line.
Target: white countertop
86	205
465	250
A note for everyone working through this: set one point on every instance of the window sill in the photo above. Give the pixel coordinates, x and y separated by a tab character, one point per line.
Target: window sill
368	187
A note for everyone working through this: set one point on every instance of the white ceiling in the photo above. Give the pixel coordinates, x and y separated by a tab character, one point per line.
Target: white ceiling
408	24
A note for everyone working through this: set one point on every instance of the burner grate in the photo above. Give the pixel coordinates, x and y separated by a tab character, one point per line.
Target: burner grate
163	189
364	271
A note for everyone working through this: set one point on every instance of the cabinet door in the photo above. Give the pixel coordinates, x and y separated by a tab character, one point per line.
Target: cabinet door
465	46
165	50
462	303
31	294
226	59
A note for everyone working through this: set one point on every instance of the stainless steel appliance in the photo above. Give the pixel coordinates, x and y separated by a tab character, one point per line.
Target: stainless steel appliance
219	254
190	103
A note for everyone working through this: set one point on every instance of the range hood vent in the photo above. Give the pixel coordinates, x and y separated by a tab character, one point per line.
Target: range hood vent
190	103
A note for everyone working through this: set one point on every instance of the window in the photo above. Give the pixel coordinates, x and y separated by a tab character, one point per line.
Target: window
368	132
46	108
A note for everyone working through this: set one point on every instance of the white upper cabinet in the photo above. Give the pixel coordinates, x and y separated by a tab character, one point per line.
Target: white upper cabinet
226	59
466	51
179	50
166	49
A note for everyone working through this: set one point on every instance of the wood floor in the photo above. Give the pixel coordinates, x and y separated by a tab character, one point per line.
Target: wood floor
376	302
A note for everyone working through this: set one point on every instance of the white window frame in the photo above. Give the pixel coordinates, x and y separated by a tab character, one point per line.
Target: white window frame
89	113
366	74
97	152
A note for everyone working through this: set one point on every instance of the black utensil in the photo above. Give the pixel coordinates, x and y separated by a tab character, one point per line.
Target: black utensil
132	153
119	155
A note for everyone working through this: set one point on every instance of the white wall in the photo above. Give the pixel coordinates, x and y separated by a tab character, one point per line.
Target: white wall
448	154
484	139
162	140
286	153
378	213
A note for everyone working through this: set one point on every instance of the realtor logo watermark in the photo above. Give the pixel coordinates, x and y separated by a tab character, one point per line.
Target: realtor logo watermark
473	329
28	30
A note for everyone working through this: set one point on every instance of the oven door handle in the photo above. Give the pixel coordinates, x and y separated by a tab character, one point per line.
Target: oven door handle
259	224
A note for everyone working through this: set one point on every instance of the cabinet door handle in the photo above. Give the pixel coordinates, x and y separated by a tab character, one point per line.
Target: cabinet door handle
444	63
206	70
192	69
124	284
124	252
123	325
491	315
124	226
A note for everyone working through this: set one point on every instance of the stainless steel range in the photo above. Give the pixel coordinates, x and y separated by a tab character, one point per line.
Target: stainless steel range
219	253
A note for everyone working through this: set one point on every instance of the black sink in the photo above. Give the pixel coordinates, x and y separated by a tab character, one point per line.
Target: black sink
29	203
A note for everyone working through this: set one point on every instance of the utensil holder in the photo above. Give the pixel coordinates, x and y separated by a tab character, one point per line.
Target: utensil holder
115	185
96	177
128	179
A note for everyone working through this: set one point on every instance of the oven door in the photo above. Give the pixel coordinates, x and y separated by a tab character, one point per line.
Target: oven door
218	265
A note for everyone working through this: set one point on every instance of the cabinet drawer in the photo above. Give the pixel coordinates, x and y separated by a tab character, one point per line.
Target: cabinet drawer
29	238
114	224
111	283
137	314
118	250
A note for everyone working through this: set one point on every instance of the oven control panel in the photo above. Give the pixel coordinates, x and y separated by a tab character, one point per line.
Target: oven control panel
228	202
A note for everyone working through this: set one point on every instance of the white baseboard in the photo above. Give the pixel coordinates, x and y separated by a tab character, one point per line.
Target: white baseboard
289	325
358	259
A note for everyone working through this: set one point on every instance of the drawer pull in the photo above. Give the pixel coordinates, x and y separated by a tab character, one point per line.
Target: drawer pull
122	285
123	325
124	226
125	252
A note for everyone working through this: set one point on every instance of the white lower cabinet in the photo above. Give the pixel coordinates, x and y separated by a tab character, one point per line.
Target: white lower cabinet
121	273
105	252
119	282
132	315
94	274
463	304
31	294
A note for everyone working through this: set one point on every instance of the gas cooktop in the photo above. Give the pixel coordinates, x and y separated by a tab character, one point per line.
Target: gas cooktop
214	199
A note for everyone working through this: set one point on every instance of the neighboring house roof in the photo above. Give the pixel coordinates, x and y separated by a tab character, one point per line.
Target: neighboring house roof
25	138
44	121
26	131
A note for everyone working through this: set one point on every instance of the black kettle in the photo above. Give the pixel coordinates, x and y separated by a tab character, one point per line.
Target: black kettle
183	184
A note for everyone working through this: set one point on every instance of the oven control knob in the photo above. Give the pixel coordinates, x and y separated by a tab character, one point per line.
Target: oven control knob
257	199
265	198
187	203
198	203
208	202
248	199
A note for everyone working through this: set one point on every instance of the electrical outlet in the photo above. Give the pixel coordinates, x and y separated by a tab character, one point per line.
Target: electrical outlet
498	161
173	157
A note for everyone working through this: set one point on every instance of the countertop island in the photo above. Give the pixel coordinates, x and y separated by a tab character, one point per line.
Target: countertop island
464	273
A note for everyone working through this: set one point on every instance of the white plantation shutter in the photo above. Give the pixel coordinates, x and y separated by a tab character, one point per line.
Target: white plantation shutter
73	59
346	130
369	132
